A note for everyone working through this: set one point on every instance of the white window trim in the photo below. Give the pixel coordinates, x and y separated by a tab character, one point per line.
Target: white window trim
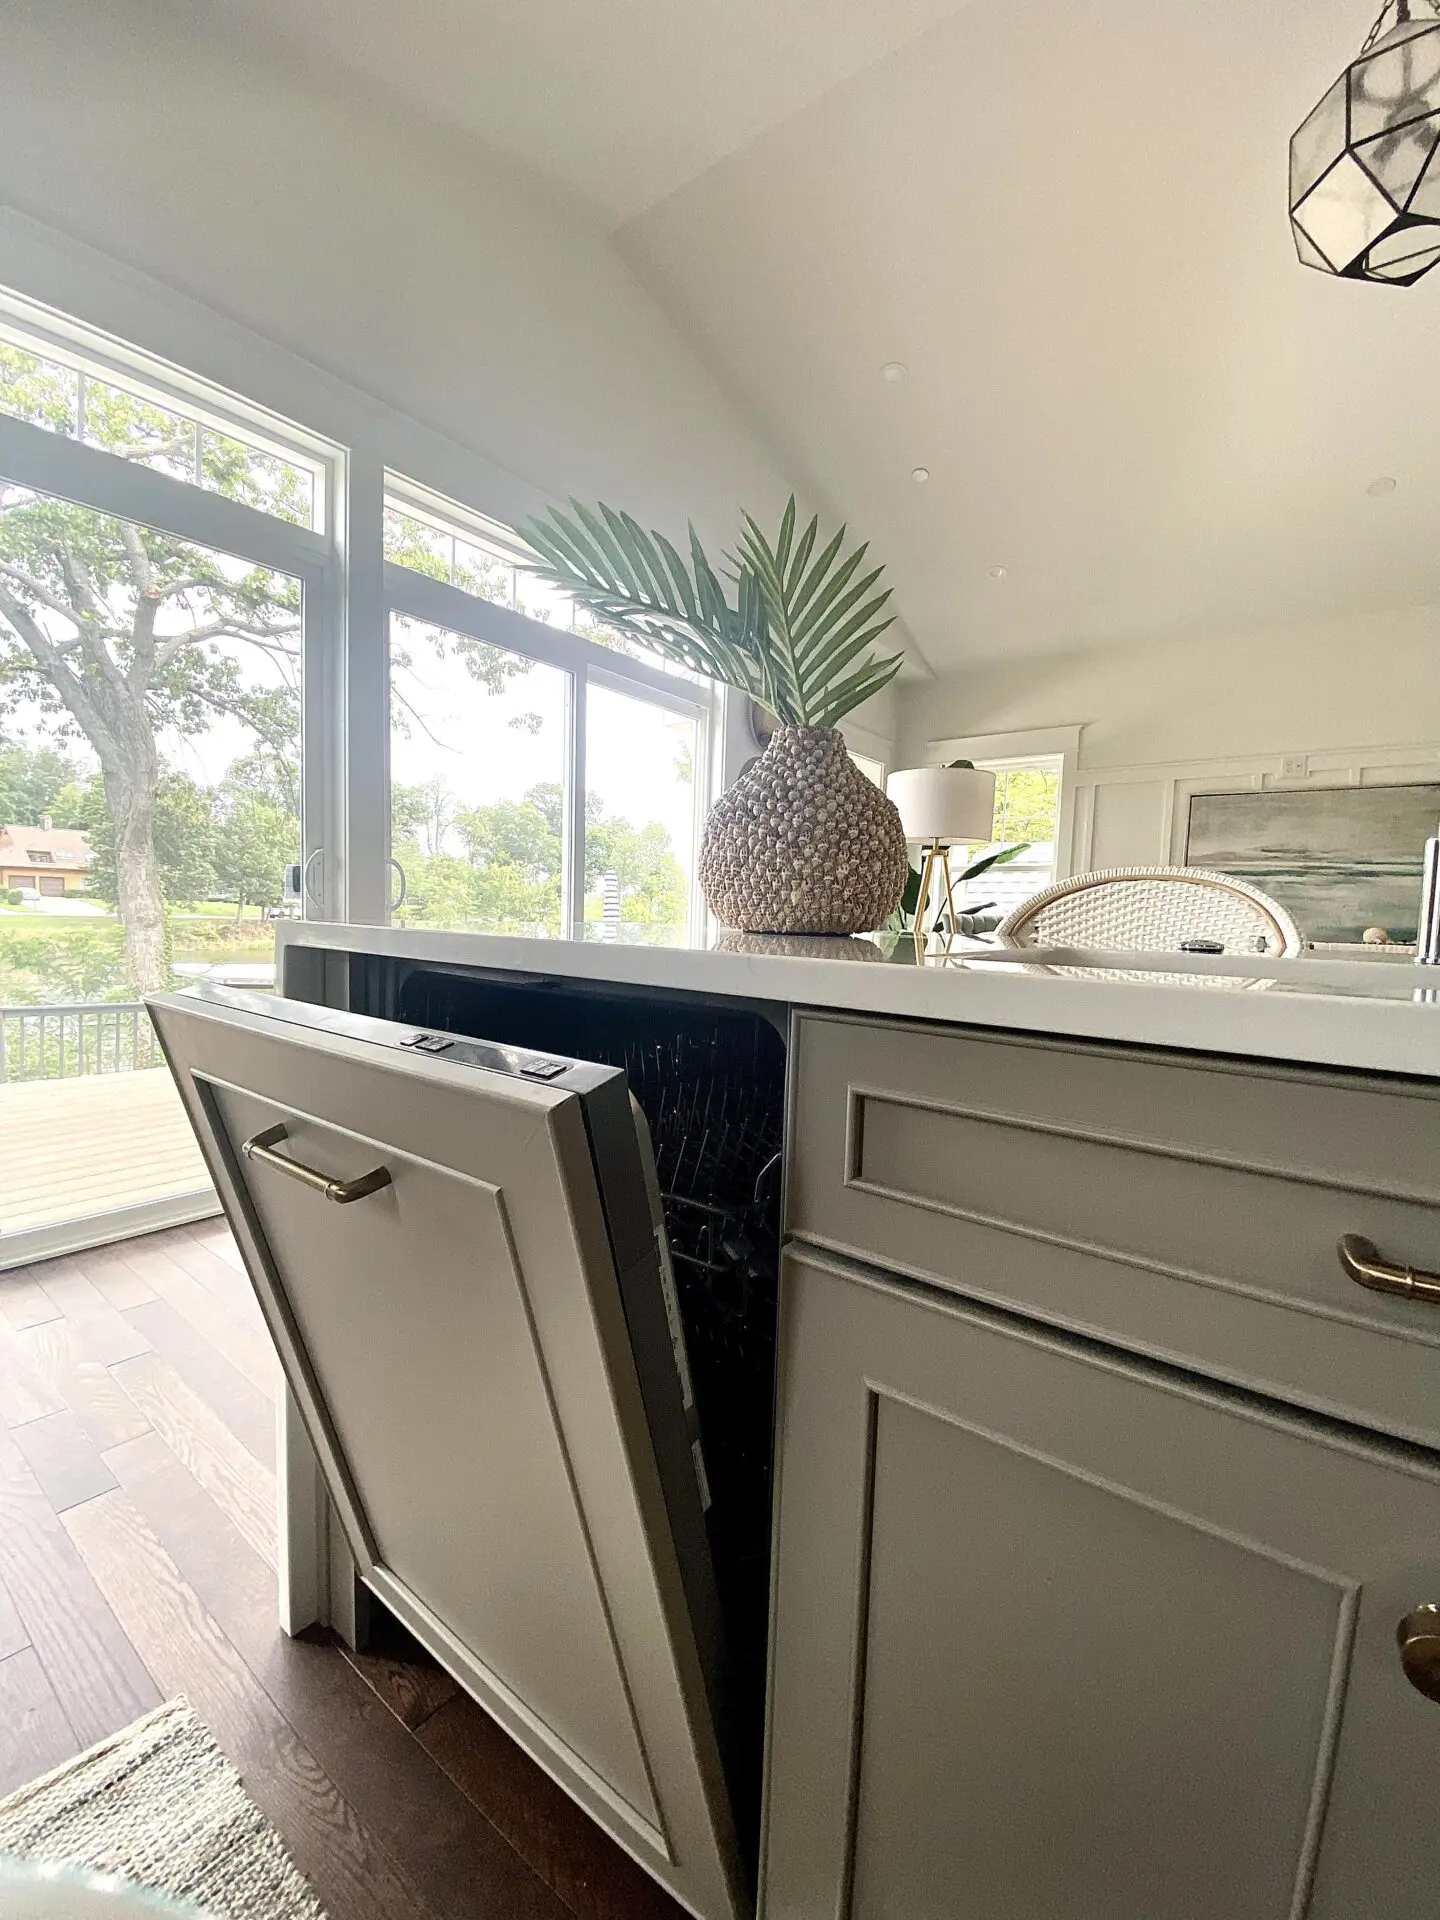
1021	750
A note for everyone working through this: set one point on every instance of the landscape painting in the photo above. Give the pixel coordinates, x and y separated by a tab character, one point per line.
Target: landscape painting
1341	859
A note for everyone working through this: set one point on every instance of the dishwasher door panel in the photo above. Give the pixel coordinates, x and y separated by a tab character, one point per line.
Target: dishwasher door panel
456	1342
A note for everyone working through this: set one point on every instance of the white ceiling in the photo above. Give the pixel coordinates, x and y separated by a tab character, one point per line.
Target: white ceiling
623	100
1067	221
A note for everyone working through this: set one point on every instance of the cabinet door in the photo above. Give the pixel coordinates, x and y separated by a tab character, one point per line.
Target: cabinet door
1061	1636
455	1336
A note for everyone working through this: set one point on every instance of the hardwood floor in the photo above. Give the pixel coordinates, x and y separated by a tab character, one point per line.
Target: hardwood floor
137	1551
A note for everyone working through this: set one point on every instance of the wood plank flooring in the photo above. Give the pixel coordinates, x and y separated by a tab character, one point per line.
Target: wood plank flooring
137	1550
126	1139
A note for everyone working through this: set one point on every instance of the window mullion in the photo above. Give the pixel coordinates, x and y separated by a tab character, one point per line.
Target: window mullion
572	870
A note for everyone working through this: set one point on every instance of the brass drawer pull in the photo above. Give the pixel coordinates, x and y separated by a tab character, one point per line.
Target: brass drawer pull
1361	1260
342	1192
1418	1635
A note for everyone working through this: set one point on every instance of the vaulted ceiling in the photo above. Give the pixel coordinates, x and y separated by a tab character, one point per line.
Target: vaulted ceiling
1065	223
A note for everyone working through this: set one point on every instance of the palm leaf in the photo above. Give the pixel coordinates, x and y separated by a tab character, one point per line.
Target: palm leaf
798	635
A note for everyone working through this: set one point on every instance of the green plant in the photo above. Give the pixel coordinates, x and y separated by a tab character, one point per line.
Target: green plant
797	638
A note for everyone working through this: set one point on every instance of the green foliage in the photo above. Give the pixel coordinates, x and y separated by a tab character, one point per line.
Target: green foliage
798	637
76	963
1026	800
509	878
38	780
254	839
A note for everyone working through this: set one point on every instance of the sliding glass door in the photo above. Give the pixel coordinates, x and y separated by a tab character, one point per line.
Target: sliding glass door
163	590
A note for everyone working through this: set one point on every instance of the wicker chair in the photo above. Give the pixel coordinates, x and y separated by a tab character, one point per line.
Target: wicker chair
1152	910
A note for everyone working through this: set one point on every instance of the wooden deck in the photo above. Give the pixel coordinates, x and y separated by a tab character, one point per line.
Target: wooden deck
74	1147
137	1561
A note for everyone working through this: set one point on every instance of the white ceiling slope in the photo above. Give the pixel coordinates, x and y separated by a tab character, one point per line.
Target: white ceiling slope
1066	220
623	100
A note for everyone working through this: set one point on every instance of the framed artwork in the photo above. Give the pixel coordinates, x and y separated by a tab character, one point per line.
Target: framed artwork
1340	858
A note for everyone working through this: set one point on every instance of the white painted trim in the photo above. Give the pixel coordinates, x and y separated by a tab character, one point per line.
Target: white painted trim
102	1229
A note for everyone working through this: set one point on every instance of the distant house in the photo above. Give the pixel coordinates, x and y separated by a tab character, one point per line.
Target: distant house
52	860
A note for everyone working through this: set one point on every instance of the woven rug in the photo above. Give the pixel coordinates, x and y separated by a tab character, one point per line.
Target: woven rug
159	1804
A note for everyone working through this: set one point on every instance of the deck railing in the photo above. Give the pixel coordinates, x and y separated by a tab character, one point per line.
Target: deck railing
95	1036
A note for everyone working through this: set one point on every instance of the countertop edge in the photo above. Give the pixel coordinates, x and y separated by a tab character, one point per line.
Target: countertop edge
1320	1029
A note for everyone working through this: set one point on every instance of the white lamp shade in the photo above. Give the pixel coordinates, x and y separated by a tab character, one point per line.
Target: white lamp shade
948	804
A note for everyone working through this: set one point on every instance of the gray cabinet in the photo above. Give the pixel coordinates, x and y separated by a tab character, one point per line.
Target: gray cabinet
1062	1635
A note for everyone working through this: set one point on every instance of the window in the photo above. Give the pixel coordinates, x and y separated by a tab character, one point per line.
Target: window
1027	807
542	781
164	580
71	397
171	547
640	817
478	772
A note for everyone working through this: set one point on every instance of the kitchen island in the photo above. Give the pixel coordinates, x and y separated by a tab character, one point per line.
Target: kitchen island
1100	1483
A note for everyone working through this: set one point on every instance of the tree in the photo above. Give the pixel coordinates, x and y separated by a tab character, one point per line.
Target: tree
183	830
39	780
115	632
253	842
652	881
1025	803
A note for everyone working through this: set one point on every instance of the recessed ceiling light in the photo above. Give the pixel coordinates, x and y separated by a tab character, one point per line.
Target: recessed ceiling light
920	475
1384	484
892	371
997	573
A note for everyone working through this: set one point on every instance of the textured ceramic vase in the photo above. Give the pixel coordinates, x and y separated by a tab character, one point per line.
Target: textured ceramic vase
803	842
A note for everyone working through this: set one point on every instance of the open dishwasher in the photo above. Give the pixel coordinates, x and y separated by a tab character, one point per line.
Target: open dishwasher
460	1245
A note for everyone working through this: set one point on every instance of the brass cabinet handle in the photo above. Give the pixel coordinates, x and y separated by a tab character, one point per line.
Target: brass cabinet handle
1418	1637
1361	1260
342	1192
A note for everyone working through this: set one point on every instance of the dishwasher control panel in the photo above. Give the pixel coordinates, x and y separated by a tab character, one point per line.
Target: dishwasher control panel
461	1052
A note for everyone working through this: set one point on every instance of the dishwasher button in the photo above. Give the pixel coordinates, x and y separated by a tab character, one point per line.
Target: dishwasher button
535	1066
429	1042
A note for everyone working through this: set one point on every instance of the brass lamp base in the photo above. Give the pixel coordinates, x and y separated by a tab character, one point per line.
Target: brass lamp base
936	859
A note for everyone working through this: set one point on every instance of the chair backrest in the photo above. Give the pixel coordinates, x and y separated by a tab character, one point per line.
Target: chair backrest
1152	910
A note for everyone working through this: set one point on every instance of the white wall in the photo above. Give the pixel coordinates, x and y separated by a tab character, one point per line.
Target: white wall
1356	701
442	280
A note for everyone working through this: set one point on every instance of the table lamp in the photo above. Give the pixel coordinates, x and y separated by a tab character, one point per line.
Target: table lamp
942	807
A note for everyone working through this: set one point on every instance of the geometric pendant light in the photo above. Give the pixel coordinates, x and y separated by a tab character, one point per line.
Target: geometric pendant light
1365	165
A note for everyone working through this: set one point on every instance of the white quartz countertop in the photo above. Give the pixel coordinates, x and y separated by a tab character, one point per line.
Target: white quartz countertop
1377	1014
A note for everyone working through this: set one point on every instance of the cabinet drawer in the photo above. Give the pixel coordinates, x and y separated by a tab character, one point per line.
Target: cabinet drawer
1186	1206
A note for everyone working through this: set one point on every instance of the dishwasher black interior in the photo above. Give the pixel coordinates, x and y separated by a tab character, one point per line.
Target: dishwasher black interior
710	1078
